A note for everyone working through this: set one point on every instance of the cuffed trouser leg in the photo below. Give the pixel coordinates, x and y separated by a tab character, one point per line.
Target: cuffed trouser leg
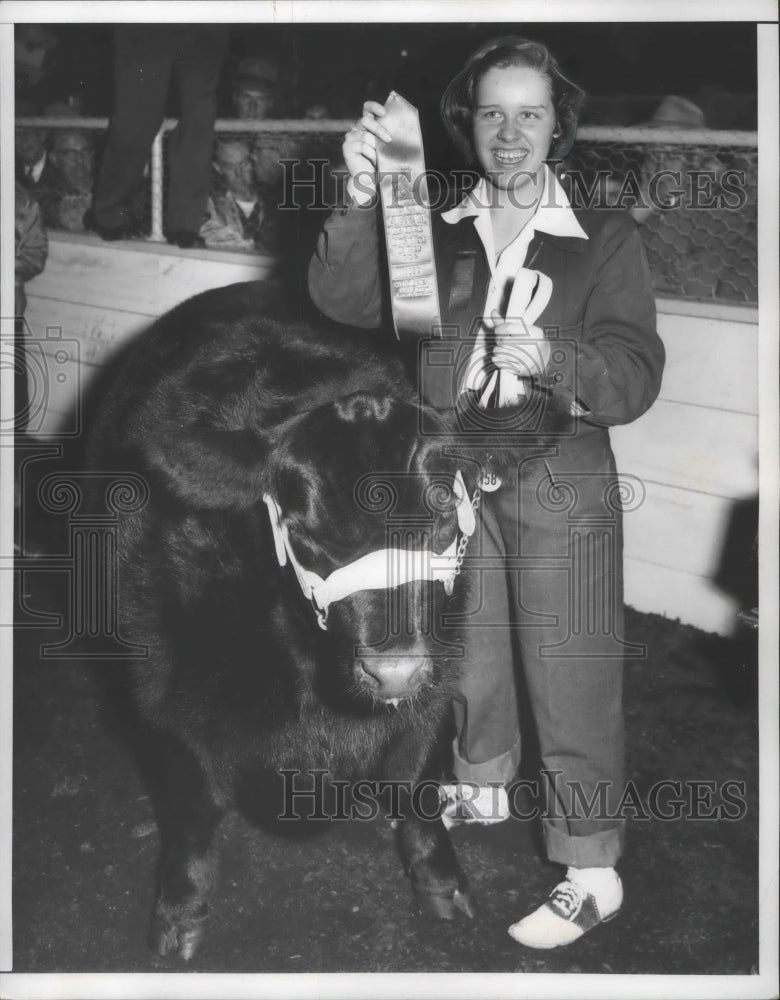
557	530
562	529
487	744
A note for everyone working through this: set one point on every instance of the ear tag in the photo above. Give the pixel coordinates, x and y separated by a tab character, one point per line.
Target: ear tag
275	516
489	482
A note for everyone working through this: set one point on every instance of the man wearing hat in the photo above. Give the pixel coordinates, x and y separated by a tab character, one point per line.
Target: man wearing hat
672	113
677	112
696	245
255	88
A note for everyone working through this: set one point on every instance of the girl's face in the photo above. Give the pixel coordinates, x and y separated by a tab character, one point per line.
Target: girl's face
514	121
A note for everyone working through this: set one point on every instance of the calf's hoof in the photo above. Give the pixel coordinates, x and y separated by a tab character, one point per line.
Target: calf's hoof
445	907
167	939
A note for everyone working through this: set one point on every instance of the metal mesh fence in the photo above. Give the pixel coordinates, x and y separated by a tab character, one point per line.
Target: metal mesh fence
695	204
693	194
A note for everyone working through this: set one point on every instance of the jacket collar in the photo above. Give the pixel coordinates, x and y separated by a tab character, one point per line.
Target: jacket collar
554	215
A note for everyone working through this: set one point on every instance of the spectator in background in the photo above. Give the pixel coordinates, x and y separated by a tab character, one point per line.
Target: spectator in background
267	152
57	166
33	45
257	92
672	113
31	248
235	214
31	154
255	95
146	57
64	191
33	145
255	88
705	249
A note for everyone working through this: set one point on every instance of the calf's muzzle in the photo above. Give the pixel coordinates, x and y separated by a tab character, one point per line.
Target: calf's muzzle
389	677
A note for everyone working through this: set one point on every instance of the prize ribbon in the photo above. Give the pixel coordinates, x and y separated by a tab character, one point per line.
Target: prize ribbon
403	189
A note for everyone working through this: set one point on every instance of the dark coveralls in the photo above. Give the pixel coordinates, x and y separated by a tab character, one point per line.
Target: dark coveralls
549	547
145	58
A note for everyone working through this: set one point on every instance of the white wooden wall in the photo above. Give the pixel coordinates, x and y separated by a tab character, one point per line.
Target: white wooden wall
695	450
93	297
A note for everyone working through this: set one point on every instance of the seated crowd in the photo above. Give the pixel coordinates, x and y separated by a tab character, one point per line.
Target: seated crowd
57	167
710	254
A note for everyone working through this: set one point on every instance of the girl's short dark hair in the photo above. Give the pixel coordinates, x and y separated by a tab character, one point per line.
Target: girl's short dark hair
457	104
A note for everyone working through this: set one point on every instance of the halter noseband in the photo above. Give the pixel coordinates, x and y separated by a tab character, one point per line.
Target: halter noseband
382	569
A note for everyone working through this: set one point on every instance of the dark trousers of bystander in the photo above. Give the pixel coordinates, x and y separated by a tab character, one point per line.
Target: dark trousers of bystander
145	59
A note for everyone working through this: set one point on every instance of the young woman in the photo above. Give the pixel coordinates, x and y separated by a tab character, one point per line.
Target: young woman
550	590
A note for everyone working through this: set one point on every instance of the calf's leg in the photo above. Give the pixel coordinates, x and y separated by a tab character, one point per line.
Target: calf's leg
440	887
189	815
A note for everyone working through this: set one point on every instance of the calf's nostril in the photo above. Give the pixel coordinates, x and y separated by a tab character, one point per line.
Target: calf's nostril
394	676
369	667
363	674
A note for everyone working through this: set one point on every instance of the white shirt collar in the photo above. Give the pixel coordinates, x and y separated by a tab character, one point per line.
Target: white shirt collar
554	214
246	205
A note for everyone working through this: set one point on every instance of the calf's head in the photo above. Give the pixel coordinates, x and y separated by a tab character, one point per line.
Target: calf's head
370	516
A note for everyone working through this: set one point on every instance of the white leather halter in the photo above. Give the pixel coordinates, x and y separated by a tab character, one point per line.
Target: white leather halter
379	570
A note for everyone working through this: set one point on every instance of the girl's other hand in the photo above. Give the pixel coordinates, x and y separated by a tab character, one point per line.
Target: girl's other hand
519	348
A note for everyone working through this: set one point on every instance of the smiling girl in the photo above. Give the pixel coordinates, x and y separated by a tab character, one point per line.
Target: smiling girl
550	597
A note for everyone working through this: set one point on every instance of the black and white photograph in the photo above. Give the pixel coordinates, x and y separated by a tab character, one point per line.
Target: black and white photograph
389	525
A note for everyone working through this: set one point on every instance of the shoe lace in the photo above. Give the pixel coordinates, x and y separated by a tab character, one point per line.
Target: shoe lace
568	896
